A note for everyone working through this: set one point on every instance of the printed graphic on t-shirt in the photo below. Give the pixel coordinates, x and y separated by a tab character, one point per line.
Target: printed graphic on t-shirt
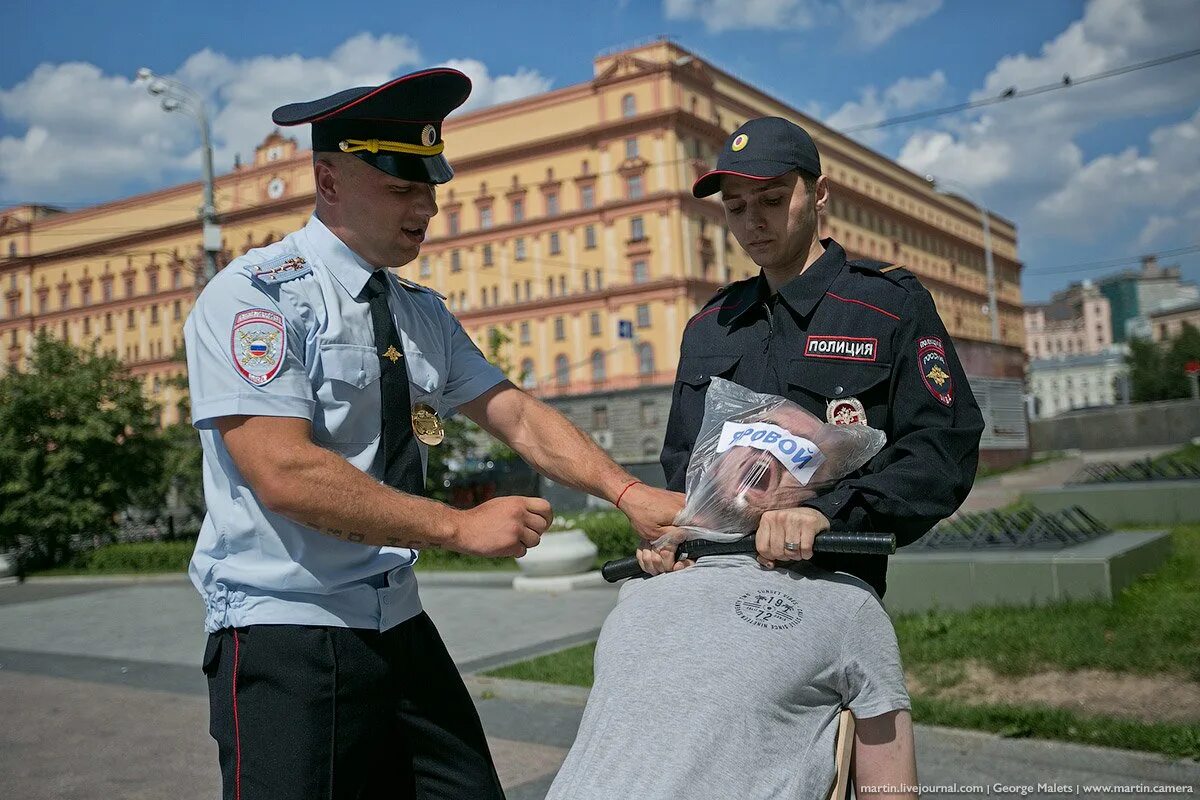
769	609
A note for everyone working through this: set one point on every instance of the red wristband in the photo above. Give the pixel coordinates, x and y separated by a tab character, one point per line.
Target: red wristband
628	486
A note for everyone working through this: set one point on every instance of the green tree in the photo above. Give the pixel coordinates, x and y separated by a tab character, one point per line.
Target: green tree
1156	371
78	443
465	441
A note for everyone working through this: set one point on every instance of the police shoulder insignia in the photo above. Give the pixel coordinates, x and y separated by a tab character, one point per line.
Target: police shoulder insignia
416	287
278	270
257	341
935	371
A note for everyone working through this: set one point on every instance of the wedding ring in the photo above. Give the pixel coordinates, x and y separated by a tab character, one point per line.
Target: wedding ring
791	547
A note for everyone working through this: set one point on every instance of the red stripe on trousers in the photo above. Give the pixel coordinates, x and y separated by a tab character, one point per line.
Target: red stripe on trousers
237	732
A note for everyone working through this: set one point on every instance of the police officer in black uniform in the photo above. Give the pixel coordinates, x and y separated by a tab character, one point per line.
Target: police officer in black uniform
851	341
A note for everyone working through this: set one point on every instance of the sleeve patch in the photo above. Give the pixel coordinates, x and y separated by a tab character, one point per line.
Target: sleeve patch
935	371
257	342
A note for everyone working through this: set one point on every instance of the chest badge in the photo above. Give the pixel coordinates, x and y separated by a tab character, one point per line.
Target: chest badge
426	425
392	354
846	411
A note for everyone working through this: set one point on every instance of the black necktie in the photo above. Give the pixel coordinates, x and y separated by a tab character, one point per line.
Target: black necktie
401	456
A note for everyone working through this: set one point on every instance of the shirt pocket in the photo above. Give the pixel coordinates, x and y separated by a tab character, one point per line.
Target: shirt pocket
824	381
425	371
692	382
350	410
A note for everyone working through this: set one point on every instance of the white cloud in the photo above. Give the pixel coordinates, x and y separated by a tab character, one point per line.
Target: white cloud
873	106
487	90
88	135
1112	187
726	15
875	22
871	22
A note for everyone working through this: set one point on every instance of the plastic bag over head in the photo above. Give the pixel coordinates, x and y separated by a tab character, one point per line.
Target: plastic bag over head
758	452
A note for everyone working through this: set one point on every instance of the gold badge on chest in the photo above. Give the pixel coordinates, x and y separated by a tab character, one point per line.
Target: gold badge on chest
846	411
426	425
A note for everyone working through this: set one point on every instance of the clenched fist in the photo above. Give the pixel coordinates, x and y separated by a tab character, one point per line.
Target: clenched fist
501	527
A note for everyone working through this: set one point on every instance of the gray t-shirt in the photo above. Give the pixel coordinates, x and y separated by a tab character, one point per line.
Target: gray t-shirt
725	680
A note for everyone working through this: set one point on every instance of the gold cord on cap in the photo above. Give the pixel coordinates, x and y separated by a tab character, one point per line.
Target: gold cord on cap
377	145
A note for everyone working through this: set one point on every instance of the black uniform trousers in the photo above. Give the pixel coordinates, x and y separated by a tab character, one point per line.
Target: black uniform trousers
325	713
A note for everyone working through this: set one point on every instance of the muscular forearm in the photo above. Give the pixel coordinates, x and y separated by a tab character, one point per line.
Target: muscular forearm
329	495
554	447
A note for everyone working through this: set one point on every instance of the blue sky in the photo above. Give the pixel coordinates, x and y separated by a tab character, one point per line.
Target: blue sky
1094	173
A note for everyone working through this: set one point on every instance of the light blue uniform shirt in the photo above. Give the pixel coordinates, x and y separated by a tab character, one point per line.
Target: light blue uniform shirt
280	332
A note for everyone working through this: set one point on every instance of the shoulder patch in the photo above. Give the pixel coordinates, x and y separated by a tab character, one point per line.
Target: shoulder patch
935	371
257	342
278	270
416	287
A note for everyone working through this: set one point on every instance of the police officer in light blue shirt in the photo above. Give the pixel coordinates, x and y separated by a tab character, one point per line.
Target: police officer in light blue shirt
318	380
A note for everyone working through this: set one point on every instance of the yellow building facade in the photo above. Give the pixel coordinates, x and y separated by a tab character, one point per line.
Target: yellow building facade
570	212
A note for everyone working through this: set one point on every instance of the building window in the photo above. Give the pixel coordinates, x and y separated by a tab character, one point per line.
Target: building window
643	315
495	295
650	446
645	354
524	333
555	247
599	280
43	302
426	271
637	229
153	315
176	279
641	272
519	249
587	281
487	255
129	287
528	290
598	375
589	237
628	106
455	261
551	204
64	298
483	296
560	329
108	322
176	311
594	320
153	281
85	295
587	197
528	379
518	210
485	217
129	323
562	371
87	327
599	418
631	147
649	414
452	223
633	187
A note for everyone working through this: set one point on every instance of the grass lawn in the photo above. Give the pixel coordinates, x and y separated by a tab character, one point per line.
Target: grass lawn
988	472
1189	453
1150	629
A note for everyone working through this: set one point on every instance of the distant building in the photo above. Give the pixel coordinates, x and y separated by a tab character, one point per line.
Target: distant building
1081	381
1167	323
1076	321
1134	295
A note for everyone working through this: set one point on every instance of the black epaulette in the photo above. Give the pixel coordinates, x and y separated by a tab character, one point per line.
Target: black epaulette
893	272
724	290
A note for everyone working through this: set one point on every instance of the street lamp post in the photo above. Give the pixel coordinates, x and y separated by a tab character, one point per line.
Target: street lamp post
178	97
987	248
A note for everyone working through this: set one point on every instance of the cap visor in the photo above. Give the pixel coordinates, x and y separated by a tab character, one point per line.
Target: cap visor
422	169
710	182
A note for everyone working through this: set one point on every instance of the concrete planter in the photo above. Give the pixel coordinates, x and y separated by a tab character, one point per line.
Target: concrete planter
8	565
560	553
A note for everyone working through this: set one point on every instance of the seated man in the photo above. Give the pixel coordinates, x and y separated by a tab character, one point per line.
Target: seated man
725	680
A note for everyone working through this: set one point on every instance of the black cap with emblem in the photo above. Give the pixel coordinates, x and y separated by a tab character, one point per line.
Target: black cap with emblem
762	149
395	127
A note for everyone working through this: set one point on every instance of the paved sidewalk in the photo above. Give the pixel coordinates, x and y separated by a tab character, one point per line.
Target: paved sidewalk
103	698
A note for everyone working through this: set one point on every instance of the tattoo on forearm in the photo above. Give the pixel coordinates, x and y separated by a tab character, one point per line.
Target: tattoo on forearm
350	536
392	541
